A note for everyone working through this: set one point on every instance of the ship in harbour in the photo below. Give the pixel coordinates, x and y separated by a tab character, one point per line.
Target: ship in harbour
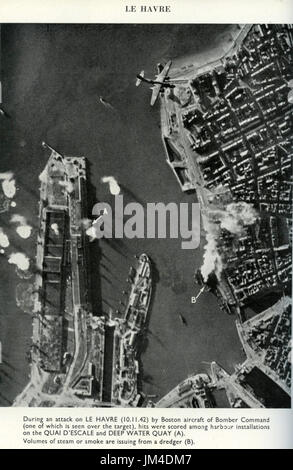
127	333
78	356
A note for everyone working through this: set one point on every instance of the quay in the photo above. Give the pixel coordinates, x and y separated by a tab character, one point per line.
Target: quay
78	355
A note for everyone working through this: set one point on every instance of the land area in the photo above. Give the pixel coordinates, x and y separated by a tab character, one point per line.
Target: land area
227	134
227	131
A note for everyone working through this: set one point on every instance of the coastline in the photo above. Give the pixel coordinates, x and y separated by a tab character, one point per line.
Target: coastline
201	122
199	63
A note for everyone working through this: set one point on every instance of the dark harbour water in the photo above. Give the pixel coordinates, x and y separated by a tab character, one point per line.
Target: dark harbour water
52	78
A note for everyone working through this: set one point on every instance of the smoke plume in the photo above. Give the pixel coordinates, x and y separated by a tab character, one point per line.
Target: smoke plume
23	229
8	184
43	177
212	261
4	240
55	228
67	185
238	215
113	184
234	219
20	260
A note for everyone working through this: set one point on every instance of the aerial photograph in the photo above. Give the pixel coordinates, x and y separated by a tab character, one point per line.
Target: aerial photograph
146	215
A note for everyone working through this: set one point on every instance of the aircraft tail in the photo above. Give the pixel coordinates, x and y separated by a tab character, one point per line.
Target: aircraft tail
139	78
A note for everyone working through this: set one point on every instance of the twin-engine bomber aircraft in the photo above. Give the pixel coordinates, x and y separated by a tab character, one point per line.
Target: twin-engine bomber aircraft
161	81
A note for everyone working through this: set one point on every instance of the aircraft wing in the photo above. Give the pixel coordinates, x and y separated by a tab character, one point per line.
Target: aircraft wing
160	78
156	90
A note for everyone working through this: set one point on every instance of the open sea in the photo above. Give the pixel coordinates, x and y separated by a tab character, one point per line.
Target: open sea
52	77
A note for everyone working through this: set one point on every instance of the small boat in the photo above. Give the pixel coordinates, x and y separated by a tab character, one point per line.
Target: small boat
183	320
105	103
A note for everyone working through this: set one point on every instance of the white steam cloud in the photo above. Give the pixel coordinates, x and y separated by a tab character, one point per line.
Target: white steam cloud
23	229
43	177
91	233
6	175
238	215
234	219
86	223
4	240
113	184
212	261
55	228
20	260
67	185
89	229
8	184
